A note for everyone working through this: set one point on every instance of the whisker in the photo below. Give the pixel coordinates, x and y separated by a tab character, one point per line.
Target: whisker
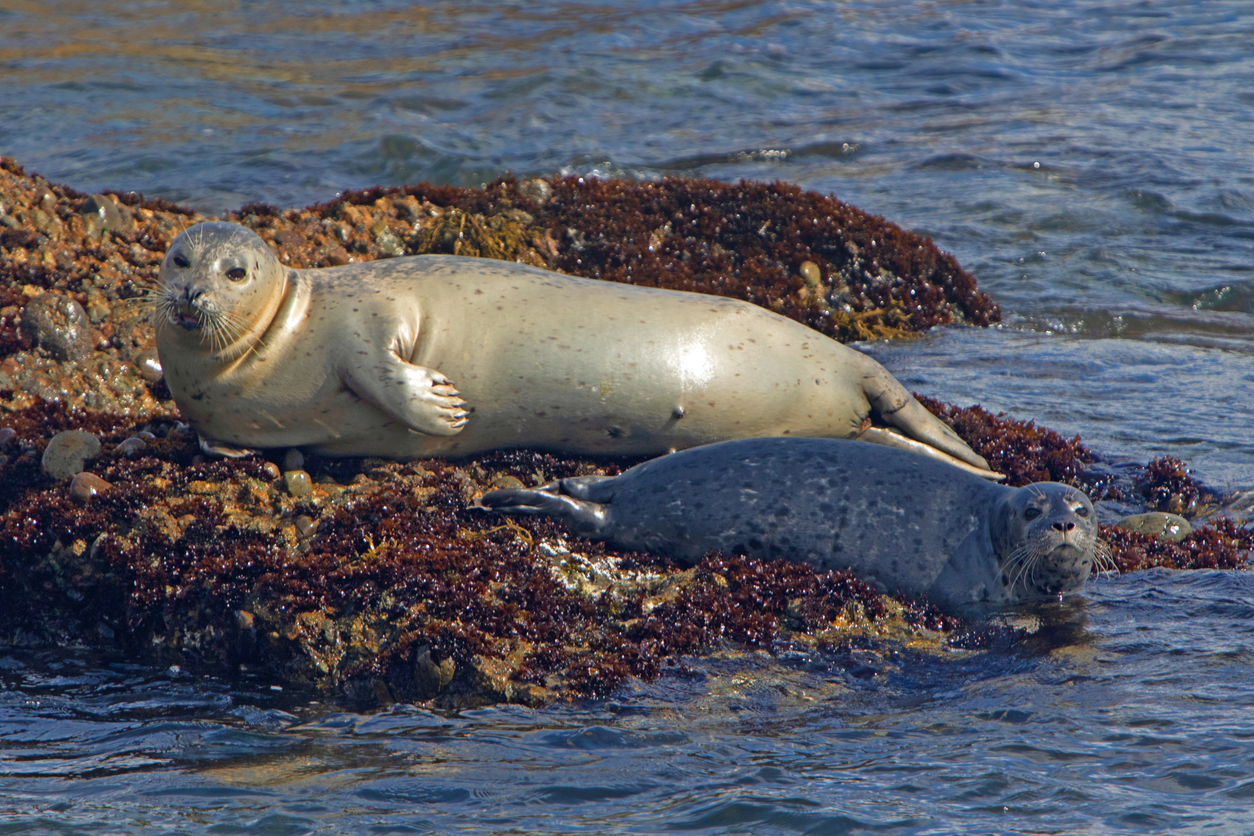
1103	562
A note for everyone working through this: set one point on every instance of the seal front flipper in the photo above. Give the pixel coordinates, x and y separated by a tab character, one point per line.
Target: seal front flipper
422	399
221	448
583	517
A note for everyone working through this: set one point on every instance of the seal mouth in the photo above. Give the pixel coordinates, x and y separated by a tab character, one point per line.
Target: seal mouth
1037	570
188	319
1063	569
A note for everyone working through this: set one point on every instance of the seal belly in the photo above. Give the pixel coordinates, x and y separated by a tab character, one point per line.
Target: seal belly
641	371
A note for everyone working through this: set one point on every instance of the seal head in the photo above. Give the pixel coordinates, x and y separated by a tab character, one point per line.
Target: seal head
221	283
1046	536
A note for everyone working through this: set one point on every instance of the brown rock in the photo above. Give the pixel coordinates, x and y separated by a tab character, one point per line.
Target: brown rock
84	486
58	325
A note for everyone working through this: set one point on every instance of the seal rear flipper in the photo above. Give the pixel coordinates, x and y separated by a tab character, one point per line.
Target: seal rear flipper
585	487
420	398
585	518
893	438
896	406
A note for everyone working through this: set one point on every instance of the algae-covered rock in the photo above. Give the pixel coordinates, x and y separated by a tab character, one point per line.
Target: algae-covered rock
59	325
374	581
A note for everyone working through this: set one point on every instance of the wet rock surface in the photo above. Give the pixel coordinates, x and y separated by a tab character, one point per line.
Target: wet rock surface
1170	527
58	325
374	580
67	453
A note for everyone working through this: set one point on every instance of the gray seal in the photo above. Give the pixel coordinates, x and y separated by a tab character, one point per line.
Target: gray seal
904	522
445	355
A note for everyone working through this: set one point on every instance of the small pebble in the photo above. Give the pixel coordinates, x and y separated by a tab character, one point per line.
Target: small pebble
305	527
389	244
507	482
293	460
149	365
45	223
100	213
537	190
58	325
67	453
86	485
298	483
130	447
810	272
1169	527
272	470
6	435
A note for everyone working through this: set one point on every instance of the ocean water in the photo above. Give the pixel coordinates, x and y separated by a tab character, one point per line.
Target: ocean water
1128	714
1092	163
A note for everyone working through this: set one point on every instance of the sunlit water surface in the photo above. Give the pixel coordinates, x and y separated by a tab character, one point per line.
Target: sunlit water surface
1090	162
1129	714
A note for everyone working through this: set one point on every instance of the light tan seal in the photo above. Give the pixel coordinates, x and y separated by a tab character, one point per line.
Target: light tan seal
904	522
444	355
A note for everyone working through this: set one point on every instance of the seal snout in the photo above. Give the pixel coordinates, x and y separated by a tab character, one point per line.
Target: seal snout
186	309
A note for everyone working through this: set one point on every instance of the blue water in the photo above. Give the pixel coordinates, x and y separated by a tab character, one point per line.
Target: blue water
1091	162
1128	715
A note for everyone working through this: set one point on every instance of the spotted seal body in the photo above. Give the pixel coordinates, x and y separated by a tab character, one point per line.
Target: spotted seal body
442	355
907	523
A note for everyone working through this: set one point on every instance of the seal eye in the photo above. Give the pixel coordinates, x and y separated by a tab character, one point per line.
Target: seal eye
237	274
1031	513
1082	512
180	260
